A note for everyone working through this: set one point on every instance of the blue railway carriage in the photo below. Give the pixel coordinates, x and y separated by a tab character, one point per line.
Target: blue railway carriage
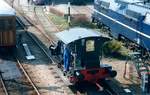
79	52
7	25
127	18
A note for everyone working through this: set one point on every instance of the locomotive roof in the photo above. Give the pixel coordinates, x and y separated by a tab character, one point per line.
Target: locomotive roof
5	9
143	10
73	34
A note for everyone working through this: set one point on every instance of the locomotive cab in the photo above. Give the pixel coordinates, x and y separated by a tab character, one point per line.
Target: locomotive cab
85	51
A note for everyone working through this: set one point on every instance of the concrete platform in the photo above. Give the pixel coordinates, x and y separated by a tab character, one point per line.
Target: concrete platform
10	70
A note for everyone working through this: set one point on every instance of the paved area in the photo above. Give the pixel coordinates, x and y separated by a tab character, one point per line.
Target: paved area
9	70
48	80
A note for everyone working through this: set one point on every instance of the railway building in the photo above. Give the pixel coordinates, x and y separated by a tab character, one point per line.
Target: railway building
7	26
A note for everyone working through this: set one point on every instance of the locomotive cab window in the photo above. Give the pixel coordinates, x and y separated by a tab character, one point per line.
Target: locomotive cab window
147	18
90	45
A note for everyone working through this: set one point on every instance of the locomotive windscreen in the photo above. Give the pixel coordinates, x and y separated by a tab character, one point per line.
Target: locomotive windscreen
90	46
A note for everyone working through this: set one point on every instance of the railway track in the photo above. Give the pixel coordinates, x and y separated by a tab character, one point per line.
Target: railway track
3	89
40	16
23	67
20	64
45	23
17	82
37	92
8	85
50	72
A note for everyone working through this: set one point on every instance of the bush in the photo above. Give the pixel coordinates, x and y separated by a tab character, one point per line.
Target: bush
85	24
115	49
112	47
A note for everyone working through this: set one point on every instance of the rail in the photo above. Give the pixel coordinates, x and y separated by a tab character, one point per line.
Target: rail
22	68
3	84
37	17
24	27
28	77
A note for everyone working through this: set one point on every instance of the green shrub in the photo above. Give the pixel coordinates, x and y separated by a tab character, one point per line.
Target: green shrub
85	24
112	47
115	49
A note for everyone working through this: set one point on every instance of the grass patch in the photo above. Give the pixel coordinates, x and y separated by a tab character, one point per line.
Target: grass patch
59	21
62	23
86	24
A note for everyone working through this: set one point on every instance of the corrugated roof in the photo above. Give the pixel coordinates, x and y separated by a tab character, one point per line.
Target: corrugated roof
73	34
5	9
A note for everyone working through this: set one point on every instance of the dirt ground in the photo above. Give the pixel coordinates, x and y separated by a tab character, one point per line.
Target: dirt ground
130	81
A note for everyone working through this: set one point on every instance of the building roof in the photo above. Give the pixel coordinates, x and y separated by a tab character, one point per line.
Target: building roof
77	33
5	9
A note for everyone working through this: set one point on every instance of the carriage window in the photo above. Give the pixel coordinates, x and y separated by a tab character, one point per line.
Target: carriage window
132	14
147	18
105	4
1	25
90	45
5	25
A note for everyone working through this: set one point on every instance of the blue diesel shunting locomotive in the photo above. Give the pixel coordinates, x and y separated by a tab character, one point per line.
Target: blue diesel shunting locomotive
125	18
